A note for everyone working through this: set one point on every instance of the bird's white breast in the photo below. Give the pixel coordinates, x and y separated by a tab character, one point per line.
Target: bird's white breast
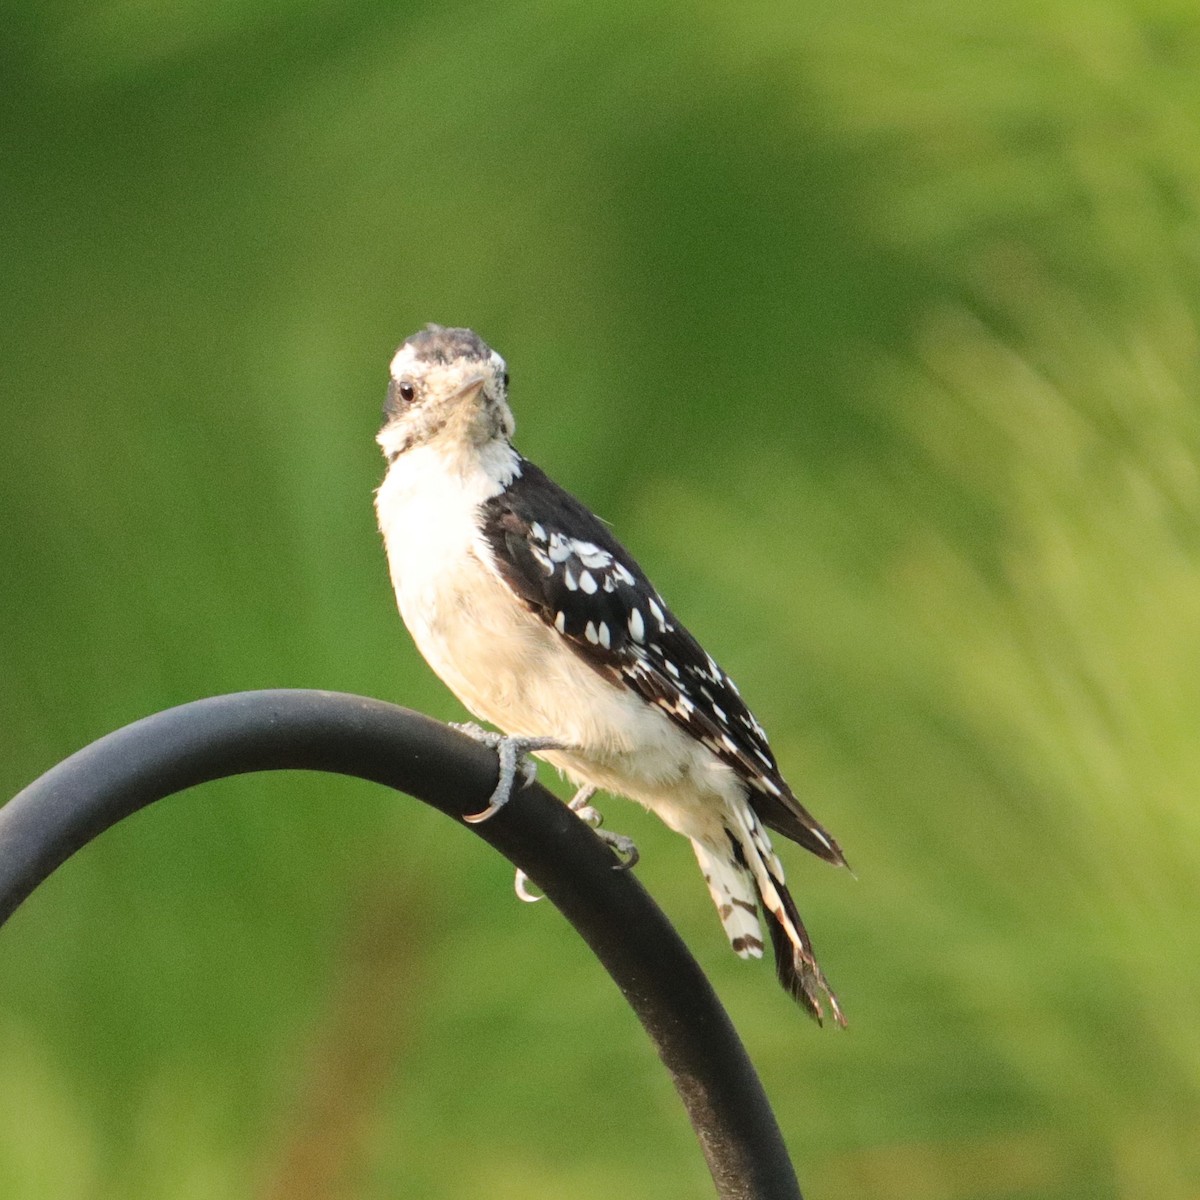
505	663
428	509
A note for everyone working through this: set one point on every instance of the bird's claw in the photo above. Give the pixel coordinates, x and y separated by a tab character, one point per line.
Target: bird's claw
513	755
588	815
473	730
621	845
521	887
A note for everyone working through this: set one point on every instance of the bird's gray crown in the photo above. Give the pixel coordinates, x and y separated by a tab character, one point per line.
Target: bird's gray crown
438	344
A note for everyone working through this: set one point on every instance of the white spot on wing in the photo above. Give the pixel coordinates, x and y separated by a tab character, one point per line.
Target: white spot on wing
637	627
591	555
560	622
587	581
590	633
605	637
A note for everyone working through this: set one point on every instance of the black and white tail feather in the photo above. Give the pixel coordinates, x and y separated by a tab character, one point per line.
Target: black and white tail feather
561	568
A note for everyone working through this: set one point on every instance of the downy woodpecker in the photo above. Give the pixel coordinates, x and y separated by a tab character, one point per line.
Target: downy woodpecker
541	623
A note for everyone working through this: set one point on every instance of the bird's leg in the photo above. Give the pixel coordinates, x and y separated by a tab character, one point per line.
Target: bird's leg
513	753
622	846
579	805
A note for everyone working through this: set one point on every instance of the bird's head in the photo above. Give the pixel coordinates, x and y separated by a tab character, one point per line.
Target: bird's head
446	384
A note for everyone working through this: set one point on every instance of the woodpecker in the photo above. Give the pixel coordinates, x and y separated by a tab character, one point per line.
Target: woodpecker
543	624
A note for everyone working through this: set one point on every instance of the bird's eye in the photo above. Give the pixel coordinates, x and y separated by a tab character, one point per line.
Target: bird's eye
407	391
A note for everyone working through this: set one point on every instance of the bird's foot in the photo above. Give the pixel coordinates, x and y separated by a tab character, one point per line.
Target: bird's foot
513	753
622	846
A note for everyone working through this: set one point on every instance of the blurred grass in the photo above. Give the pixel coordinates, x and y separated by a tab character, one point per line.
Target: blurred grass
906	293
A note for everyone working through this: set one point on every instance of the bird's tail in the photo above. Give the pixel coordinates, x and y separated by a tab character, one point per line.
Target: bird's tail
795	964
736	898
746	875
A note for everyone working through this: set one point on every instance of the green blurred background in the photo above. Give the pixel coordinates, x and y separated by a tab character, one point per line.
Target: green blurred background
870	326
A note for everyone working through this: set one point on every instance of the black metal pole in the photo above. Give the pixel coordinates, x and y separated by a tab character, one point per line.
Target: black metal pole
352	735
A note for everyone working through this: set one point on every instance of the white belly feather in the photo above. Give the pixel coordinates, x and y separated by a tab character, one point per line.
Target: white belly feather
511	669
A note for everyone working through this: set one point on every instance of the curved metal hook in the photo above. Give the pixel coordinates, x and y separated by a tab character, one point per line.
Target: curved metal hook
211	739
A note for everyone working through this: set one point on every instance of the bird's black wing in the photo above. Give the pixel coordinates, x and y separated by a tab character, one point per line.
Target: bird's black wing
565	565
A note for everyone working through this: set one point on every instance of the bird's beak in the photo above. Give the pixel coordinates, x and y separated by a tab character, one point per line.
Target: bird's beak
470	388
